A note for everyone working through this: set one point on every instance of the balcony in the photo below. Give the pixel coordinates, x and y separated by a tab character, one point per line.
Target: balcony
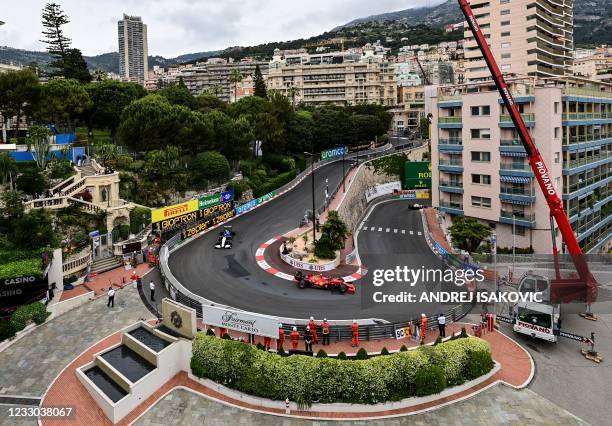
519	196
587	117
517	218
586	93
506	121
450	122
451	207
450	166
451	145
512	146
583	186
516	169
589	140
455	187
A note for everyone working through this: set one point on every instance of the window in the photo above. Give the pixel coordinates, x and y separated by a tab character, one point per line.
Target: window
506	55
481	179
505	66
557	157
506	45
518	230
480	133
557	132
505	23
484	202
505	12
556	107
481	156
504	1
505	33
481	110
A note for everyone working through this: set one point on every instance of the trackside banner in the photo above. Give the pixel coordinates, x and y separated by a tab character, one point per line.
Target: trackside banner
168	212
203	225
334	152
255	202
186	219
247	322
215	199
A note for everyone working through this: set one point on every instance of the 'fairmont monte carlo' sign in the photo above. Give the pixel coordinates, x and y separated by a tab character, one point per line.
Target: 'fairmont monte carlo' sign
247	322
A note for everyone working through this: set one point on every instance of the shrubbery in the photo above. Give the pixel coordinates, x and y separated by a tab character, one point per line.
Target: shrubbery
35	312
369	381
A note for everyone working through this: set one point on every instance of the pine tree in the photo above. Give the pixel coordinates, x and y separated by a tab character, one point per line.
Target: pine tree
74	66
260	84
53	18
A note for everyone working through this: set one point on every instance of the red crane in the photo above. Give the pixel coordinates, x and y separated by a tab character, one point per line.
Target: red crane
583	288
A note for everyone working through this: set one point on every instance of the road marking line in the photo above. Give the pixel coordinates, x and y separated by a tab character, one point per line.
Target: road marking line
419	233
411	232
373	228
403	231
388	229
395	231
379	229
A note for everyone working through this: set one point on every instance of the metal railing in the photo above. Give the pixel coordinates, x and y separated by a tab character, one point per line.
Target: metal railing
451	119
570	116
505	118
450	141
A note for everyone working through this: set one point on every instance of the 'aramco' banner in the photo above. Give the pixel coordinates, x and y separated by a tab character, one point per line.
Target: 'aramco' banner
334	152
255	202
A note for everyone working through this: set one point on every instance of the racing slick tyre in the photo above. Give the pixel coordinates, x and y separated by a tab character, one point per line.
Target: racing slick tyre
302	284
342	288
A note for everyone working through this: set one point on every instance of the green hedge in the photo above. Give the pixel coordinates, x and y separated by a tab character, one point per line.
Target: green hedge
272	184
307	379
23	267
36	312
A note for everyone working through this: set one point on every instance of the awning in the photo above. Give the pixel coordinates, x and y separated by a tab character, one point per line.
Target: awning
513	154
514	179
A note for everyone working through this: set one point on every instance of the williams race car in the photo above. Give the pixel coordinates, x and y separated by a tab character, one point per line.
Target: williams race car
225	238
322	282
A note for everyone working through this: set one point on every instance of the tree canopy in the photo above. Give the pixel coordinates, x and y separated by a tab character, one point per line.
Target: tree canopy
467	233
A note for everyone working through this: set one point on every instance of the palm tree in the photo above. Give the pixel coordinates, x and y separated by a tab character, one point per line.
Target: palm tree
292	91
235	78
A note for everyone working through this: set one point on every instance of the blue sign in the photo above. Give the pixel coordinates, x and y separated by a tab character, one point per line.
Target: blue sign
94	234
246	207
439	248
334	152
227	196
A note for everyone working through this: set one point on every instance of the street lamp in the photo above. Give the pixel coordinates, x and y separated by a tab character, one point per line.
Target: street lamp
513	241
326	190
314	224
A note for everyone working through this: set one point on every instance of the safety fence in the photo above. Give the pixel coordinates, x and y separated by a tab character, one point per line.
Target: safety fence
340	330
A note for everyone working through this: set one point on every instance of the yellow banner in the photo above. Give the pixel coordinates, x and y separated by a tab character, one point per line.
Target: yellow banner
168	212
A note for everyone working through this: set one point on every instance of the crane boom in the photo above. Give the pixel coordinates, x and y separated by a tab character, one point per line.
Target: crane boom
586	287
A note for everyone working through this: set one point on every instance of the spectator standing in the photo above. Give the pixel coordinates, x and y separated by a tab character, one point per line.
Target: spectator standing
442	325
308	339
325	331
111	297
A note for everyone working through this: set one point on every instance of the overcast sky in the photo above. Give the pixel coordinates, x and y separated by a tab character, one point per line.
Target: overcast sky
176	27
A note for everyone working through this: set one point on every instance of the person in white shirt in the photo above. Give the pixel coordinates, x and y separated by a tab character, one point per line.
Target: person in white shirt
111	297
442	325
152	288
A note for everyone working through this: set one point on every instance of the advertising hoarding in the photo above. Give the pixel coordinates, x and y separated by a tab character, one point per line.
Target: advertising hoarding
203	225
334	152
168	212
246	322
255	202
215	199
417	175
186	219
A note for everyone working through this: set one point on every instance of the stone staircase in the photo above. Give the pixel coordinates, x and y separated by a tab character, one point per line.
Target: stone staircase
87	170
105	264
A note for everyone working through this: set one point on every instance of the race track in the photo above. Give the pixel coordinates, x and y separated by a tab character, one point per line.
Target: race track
232	277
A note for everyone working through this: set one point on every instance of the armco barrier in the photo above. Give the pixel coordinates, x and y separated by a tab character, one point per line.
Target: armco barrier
340	330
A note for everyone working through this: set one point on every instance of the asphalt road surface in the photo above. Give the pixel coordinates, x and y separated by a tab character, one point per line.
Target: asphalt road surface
232	277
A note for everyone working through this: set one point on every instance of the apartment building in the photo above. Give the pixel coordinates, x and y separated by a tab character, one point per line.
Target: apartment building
409	111
341	78
133	49
214	76
596	66
481	168
527	37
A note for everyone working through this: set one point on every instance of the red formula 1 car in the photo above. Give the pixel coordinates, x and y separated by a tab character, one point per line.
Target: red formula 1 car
322	282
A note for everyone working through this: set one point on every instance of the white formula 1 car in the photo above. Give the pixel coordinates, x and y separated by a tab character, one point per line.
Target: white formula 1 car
225	238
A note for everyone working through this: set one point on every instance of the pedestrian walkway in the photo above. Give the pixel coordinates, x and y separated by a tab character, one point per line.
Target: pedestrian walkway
31	363
499	405
435	230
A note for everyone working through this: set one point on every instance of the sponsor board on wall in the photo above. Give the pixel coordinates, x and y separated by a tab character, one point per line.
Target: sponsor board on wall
246	322
215	199
382	189
420	194
203	225
197	215
168	212
255	202
417	175
22	289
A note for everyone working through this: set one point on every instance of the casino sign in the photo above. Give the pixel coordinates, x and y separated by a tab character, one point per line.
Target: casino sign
21	290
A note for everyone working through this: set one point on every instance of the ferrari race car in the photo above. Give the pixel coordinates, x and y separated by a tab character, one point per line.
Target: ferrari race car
225	238
322	282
